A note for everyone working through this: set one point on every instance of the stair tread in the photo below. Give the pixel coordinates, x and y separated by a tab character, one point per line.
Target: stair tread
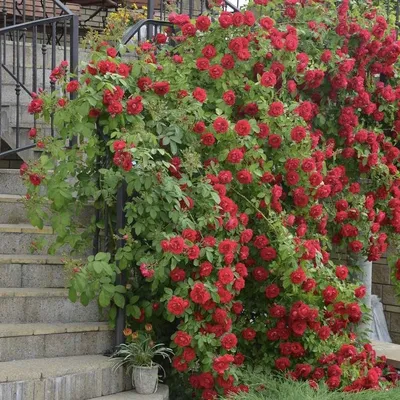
41	368
30	259
33	292
35	329
11	198
25	228
162	394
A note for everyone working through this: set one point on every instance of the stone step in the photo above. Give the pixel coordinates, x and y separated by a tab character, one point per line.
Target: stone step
62	378
11	182
390	350
13	211
26	341
25	239
38	305
162	394
18	271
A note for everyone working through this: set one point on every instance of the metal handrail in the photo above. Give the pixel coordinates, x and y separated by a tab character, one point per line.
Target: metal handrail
36	22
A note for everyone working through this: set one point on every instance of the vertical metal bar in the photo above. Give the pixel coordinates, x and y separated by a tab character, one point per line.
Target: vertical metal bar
150	15
17	92
4	11
121	278
191	8
23	44
65	40
13	33
53	64
1	84
44	47
73	61
397	17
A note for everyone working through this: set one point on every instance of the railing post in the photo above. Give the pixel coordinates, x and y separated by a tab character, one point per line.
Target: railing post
74	51
150	15
121	278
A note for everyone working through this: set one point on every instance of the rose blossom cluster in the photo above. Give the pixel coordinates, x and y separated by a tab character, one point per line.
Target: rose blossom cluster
298	142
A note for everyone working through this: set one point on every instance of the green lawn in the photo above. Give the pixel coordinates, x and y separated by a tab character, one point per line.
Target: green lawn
277	389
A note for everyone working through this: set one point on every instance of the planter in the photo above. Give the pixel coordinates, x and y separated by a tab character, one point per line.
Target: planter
145	379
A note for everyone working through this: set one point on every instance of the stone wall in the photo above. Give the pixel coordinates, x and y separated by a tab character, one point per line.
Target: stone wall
382	286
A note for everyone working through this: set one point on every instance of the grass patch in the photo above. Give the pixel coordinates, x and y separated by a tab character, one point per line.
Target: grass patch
284	389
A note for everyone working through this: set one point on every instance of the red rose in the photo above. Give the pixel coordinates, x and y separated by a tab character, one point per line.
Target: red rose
36	106
225	275
189	29
298	276
260	274
179	364
324	332
182	339
329	294
200	94
134	105
207	139
272	291
249	334
246	236
355	246
298	134
242	127
199	294
115	108
177	275
205	269
229	341
72	86
268	254
202	64
215	71
209	51
221	363
268	79
206	380
203	23
274	141
244	177
177	305
229	97
282	363
221	125
111	52
291	42
161	88
225	20
276	109
35	179
360	292
235	156
228	62
333	382
227	246
176	245
193	252
342	272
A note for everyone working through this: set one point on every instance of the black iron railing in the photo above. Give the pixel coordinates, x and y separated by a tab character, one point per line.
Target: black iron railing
34	38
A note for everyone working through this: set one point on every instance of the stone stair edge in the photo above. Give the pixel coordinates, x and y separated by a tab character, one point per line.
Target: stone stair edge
33	292
41	368
25	228
36	329
161	394
30	259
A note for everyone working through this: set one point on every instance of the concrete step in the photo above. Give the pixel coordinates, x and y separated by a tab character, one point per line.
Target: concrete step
39	305
62	378
390	350
11	182
162	394
31	271
13	211
26	341
25	239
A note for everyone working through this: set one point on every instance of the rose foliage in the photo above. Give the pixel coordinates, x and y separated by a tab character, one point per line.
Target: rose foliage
251	148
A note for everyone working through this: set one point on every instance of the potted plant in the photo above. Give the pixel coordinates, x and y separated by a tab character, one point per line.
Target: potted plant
138	358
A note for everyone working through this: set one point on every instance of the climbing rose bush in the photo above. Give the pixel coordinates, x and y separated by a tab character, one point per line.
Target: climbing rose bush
253	146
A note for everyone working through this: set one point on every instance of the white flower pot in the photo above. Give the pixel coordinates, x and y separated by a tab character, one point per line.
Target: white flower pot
145	379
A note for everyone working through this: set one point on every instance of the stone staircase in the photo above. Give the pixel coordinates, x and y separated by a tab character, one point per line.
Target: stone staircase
50	348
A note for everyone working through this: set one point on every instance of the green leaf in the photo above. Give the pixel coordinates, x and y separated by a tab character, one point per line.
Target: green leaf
104	299
119	300
72	294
